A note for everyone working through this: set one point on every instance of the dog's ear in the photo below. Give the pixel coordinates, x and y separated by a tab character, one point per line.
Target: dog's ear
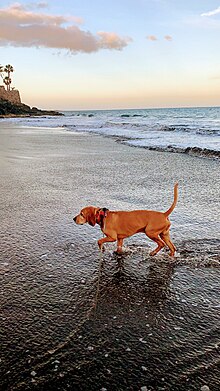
91	217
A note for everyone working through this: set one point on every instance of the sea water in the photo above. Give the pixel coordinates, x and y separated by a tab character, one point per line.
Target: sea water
188	130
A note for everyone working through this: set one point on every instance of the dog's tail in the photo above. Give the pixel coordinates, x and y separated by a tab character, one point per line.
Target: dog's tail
167	213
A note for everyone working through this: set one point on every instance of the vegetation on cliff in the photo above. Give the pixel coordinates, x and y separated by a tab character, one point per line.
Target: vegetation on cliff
8	69
9	109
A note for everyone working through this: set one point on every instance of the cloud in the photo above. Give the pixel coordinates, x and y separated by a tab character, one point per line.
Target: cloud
168	38
112	40
212	13
152	38
20	27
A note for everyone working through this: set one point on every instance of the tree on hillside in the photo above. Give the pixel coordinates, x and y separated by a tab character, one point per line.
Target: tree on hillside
7	80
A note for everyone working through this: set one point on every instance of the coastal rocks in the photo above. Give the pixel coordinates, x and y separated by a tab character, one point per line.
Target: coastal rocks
9	109
202	152
193	151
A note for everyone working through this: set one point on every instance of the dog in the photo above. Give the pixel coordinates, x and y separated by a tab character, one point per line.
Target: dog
118	225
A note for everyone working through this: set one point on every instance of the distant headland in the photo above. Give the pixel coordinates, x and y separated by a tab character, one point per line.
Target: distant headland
10	99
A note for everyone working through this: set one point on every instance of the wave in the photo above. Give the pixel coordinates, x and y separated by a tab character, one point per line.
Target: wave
155	127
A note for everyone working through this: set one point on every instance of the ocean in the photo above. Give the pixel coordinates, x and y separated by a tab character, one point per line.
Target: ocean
184	130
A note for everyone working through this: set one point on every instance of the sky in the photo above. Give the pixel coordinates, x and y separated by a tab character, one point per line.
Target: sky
113	54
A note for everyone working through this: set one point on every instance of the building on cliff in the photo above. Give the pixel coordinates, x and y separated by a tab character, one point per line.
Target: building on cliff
12	96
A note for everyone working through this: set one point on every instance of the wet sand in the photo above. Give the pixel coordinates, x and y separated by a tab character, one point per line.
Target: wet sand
74	320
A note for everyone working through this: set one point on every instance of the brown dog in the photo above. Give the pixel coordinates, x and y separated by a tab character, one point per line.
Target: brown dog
120	225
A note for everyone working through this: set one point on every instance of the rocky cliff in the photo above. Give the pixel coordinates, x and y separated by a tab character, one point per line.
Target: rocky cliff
10	109
12	96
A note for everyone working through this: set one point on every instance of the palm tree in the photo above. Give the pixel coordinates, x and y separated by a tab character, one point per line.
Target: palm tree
7	80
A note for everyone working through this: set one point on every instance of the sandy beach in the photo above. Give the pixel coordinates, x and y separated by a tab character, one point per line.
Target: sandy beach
72	319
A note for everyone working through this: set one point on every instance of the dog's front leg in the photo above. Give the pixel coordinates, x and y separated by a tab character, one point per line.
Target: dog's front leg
105	240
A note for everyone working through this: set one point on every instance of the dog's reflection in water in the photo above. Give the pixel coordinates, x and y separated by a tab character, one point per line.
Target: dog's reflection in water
144	281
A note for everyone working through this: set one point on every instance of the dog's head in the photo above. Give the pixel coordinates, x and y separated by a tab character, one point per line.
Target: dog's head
86	215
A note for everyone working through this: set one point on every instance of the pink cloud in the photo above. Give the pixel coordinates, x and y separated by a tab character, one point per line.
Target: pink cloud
112	40
21	27
152	38
168	38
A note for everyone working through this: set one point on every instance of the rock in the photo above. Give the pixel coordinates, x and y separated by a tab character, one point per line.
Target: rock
205	388
9	109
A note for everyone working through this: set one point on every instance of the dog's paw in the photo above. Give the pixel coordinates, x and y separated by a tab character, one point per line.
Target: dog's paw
119	251
101	248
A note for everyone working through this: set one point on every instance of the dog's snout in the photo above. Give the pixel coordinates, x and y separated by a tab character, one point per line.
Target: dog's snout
74	218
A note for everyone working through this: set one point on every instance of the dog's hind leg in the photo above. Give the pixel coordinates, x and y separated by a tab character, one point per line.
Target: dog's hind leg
165	236
155	237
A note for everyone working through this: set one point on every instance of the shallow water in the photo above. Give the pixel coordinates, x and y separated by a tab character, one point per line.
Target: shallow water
72	319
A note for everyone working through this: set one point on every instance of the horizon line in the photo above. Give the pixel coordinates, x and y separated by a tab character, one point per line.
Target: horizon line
141	108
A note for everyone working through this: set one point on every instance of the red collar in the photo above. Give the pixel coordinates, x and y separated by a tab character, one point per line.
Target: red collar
100	216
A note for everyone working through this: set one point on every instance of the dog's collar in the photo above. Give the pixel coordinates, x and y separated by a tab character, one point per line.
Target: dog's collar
100	216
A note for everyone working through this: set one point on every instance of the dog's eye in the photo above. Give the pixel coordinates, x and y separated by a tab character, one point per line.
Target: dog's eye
81	214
